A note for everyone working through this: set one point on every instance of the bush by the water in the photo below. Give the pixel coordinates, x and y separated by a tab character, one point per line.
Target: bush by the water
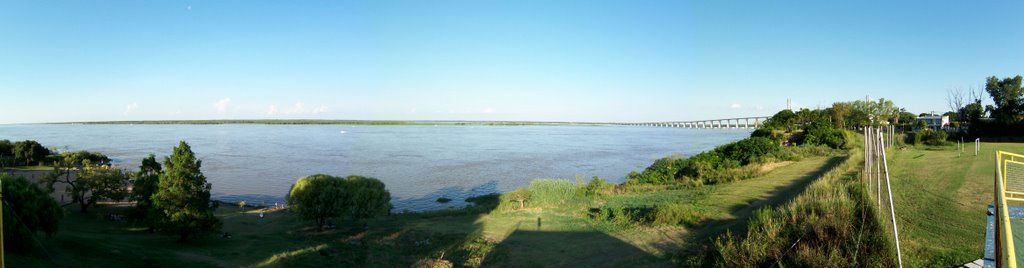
595	187
715	166
748	150
322	197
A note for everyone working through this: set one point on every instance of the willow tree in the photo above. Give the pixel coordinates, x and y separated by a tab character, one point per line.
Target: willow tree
318	197
183	196
323	197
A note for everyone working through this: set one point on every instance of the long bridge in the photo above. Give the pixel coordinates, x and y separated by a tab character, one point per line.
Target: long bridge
740	122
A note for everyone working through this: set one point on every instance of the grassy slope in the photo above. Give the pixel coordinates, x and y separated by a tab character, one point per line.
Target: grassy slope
737	201
941	200
532	237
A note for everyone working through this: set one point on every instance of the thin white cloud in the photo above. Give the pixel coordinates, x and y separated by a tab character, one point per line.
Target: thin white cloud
222	104
131	108
735	106
298	108
488	110
321	109
272	110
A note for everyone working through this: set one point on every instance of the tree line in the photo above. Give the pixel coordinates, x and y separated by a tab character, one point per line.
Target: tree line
1004	117
170	197
23	153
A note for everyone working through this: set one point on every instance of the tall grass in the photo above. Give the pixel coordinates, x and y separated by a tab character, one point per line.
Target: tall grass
542	193
831	224
551	192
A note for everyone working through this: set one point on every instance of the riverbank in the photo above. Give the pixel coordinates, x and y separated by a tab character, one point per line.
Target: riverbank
419	164
488	234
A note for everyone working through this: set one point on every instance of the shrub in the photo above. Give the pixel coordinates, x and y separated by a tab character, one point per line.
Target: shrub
777	136
594	187
748	150
520	195
821	133
622	215
929	137
662	171
711	166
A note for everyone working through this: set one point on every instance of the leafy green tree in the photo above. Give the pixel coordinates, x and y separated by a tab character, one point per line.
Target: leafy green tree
973	112
29	152
905	118
27	210
322	197
823	134
183	196
1007	95
840	112
318	197
145	184
921	125
105	182
367	197
92	182
872	112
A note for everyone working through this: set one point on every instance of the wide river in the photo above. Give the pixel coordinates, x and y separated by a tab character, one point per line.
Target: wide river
258	163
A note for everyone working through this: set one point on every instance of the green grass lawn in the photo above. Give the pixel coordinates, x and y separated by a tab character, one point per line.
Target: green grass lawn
940	200
547	236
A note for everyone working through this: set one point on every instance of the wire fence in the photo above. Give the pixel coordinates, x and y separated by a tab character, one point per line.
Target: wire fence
877	179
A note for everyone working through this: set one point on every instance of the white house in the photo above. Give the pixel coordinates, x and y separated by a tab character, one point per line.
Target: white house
935	121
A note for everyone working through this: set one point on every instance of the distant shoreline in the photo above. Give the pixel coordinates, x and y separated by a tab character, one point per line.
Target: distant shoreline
333	122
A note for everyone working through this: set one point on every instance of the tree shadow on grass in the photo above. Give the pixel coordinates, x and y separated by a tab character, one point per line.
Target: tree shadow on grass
705	233
529	248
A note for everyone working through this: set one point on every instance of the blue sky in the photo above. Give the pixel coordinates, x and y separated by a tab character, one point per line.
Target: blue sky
603	61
